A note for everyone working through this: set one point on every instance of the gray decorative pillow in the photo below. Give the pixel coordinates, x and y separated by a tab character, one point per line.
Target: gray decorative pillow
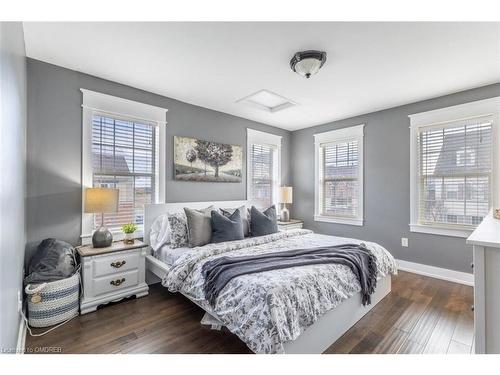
199	226
227	212
178	230
227	228
263	223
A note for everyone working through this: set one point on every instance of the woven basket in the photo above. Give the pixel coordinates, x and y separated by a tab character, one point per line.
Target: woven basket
54	302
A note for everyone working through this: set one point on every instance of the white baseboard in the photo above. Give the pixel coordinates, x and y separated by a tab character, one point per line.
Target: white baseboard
21	337
436	272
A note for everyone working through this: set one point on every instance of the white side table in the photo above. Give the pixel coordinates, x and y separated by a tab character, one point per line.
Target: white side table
289	225
112	273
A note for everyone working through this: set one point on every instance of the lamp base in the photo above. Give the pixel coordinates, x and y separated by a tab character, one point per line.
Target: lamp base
285	214
102	237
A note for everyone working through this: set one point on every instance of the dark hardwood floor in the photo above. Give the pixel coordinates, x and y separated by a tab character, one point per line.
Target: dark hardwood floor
420	315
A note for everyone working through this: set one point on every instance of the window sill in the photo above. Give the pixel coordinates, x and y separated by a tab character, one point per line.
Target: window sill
339	220
117	236
441	231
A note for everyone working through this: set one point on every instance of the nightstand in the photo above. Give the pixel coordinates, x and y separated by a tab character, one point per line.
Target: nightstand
289	225
112	273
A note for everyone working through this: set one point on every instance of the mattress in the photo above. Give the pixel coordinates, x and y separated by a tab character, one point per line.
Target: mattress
168	255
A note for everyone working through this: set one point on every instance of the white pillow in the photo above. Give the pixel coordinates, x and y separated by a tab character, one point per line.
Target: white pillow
159	234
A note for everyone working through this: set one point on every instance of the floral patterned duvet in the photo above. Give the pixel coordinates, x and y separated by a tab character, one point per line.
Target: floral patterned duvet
267	309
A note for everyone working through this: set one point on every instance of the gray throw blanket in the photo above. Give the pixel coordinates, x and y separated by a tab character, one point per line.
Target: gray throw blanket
358	258
54	260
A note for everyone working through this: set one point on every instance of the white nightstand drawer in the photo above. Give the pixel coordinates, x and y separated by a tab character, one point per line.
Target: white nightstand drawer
115	263
115	282
112	273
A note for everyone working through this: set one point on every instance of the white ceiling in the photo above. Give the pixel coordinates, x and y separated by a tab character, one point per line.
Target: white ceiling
370	66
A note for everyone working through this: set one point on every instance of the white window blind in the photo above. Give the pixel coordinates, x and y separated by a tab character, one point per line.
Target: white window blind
125	156
339	176
454	172
263	175
340	179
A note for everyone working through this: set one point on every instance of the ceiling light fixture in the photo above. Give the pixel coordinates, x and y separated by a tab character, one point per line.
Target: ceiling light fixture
307	63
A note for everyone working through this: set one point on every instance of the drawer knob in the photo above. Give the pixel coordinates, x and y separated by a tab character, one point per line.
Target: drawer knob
118	264
472	265
117	282
472	308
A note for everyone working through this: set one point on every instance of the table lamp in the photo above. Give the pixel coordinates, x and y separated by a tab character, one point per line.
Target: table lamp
285	196
101	200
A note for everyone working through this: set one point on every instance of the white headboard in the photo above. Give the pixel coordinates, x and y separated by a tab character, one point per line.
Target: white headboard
152	211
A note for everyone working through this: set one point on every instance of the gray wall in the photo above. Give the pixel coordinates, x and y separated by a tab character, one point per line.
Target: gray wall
13	180
54	163
54	147
386	183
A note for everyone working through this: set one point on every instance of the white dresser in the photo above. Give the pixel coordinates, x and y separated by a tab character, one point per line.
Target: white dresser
112	273
486	247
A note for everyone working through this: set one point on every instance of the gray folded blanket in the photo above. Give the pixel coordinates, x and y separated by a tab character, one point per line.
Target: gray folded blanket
358	258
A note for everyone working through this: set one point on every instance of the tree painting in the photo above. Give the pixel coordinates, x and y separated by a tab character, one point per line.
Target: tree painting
217	154
202	152
191	156
199	160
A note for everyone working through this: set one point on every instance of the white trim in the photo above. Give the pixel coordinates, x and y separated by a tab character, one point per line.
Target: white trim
260	137
162	160
442	231
21	336
438	117
123	107
98	103
436	272
263	138
457	112
339	220
337	136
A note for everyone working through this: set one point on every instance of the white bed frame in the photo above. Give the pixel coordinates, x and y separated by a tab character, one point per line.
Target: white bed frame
316	338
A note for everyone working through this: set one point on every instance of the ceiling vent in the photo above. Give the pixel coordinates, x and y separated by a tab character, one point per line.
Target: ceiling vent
267	100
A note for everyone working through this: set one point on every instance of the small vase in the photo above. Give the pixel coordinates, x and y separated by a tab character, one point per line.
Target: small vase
129	239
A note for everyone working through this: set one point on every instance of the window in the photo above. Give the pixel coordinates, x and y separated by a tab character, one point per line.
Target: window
124	148
263	168
455	158
452	168
124	156
339	176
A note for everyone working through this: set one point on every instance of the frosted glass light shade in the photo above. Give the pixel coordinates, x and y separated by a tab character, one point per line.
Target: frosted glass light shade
101	200
307	67
286	194
307	63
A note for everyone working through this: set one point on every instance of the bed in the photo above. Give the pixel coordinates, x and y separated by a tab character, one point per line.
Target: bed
292	310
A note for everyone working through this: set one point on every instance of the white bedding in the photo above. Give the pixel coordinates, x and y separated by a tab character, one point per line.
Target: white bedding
270	308
168	255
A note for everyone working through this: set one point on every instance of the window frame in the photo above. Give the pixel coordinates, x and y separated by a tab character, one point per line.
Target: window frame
263	138
351	133
95	103
453	114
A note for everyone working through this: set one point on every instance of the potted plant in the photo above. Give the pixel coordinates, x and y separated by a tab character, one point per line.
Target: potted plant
129	230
